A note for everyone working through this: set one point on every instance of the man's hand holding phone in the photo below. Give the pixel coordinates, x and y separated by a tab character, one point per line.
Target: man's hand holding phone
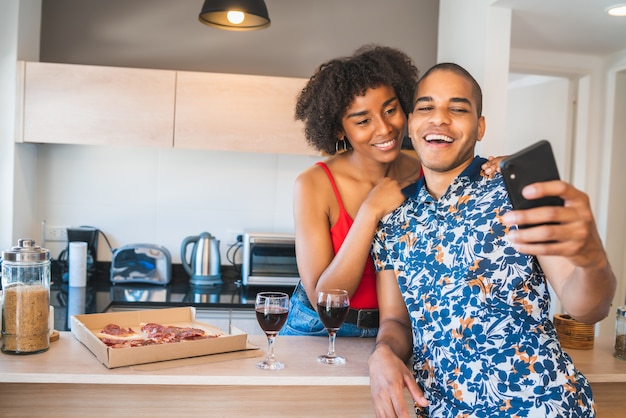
565	239
554	217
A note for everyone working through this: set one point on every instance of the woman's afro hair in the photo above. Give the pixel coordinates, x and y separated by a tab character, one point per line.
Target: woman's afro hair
334	85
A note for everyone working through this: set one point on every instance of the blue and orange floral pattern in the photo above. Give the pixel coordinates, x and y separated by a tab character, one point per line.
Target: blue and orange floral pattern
484	345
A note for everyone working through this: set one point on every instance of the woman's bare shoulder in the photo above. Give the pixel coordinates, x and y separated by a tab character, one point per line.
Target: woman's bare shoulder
313	192
311	174
312	180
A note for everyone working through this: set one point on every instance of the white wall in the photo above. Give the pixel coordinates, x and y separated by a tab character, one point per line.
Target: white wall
538	108
161	196
8	56
19	40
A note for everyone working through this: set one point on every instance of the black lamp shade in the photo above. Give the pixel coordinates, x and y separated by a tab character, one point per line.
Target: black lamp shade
215	13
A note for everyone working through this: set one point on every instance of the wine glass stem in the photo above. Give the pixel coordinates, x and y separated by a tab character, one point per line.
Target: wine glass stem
270	348
331	343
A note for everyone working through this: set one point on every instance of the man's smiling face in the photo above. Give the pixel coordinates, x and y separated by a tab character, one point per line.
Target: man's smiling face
444	125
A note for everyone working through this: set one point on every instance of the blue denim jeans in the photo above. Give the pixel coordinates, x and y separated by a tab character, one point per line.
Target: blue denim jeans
303	320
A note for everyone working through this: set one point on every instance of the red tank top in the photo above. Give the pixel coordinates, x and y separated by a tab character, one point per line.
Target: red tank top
365	295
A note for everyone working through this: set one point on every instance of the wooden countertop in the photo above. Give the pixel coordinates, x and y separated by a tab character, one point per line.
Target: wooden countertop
68	361
69	380
599	365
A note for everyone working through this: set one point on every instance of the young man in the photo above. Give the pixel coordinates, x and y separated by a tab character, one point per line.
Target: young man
464	291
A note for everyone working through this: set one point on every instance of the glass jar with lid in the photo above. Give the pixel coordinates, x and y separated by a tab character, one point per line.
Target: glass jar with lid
620	333
26	294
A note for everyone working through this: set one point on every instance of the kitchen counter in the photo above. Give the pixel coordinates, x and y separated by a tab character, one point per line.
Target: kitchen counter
68	381
606	374
100	295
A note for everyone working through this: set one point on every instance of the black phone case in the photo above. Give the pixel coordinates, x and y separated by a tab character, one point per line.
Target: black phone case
530	165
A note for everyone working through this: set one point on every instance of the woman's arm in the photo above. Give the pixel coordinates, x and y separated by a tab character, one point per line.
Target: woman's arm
317	264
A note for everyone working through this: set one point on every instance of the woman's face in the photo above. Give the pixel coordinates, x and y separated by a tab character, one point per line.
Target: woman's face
375	124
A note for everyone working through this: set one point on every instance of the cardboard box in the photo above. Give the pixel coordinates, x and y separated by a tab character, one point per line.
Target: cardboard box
85	326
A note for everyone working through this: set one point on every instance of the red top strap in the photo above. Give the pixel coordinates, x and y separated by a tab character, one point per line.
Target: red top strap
365	295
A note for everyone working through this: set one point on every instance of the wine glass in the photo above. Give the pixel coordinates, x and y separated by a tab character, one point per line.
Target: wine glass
271	313
332	308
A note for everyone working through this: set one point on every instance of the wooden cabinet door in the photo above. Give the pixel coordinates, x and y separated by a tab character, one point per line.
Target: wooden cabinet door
235	112
82	104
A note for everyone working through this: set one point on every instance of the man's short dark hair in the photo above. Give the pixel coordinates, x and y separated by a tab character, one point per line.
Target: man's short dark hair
477	93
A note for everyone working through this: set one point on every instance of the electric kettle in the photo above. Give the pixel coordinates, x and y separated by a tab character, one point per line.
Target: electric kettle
204	266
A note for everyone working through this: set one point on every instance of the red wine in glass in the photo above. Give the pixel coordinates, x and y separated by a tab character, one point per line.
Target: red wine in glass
271	320
332	316
332	307
271	313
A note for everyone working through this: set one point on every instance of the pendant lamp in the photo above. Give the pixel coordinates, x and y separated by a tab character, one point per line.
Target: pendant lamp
238	15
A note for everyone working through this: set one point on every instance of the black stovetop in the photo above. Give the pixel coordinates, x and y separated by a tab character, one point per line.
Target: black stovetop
100	295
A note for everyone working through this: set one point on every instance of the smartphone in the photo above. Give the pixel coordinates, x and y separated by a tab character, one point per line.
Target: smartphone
531	165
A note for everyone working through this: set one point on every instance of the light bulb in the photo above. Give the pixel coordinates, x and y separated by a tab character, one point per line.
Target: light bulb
235	17
618	10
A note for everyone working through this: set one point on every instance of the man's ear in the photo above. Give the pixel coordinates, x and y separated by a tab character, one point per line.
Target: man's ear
481	128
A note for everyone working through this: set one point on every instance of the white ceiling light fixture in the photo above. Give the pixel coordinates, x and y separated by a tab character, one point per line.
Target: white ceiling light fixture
617	10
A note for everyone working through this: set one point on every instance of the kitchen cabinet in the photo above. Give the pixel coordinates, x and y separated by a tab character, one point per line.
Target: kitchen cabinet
83	104
236	112
96	105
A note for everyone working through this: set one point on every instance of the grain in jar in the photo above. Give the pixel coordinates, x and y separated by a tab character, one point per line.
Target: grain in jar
26	291
25	314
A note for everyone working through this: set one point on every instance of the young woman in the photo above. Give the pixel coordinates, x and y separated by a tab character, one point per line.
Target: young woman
355	109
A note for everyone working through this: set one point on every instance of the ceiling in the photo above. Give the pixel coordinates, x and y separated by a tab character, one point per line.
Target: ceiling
166	33
572	26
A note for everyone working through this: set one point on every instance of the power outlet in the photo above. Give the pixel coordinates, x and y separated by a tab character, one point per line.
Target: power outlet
234	237
56	233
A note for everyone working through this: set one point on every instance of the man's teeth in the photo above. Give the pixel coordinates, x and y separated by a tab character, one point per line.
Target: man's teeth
443	138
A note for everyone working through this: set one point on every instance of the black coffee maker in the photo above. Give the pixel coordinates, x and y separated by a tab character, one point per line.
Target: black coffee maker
87	234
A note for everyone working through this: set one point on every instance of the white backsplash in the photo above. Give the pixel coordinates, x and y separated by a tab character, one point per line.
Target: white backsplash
161	196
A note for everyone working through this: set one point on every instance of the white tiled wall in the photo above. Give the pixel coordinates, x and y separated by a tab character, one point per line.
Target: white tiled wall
161	196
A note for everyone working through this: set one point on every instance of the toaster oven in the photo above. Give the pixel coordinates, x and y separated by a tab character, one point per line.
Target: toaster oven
269	259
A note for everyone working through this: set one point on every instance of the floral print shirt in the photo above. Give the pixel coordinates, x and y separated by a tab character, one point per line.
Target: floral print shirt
484	345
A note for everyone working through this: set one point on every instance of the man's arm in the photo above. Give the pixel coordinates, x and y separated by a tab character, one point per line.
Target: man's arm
569	250
389	374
